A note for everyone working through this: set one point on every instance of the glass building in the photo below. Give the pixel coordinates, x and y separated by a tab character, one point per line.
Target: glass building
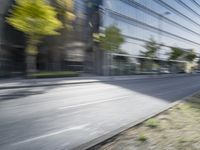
171	23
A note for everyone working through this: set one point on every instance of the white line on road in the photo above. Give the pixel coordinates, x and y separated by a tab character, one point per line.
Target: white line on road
91	103
50	134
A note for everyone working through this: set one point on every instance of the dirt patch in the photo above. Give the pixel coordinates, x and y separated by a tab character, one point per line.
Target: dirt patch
175	129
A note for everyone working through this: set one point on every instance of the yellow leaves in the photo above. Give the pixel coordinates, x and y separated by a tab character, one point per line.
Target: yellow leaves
96	37
65	9
70	5
67	4
70	16
31	50
34	17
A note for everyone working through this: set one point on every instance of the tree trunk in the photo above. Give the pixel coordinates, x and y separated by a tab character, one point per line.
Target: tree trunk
30	64
98	60
31	53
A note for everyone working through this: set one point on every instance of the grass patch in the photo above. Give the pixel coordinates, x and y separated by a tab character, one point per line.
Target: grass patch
182	140
56	74
152	123
142	138
179	129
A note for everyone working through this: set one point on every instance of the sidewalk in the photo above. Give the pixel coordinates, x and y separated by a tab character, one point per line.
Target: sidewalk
24	83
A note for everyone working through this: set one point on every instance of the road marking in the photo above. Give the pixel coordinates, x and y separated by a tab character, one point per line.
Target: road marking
50	134
96	102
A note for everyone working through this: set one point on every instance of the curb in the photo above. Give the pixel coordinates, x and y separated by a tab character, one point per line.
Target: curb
41	85
111	78
90	145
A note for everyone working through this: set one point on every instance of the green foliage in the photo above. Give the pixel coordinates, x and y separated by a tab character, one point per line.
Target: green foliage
112	39
151	49
142	138
34	17
190	56
182	140
152	123
178	52
57	74
175	53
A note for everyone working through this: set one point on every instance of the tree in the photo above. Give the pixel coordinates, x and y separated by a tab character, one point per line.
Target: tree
65	12
112	39
56	45
151	49
175	53
190	56
36	18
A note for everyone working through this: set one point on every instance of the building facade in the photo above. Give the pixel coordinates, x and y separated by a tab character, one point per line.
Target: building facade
12	43
63	52
169	23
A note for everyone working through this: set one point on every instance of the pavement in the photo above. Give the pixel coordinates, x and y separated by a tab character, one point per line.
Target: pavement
76	116
24	83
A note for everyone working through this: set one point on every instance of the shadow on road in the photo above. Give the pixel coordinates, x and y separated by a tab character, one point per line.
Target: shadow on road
13	94
167	89
19	94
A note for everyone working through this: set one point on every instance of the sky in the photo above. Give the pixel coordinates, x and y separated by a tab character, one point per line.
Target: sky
128	27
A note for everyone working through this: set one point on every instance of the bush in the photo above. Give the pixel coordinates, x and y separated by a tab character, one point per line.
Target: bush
57	74
152	123
142	138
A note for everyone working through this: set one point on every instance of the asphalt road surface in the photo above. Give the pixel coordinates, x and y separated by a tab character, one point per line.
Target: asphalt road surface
65	117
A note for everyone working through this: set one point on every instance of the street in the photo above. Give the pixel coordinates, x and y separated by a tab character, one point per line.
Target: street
65	117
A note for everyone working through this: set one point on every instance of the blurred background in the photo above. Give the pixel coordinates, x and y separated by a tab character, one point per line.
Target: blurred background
132	59
98	37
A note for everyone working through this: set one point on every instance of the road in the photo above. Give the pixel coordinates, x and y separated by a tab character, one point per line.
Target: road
65	117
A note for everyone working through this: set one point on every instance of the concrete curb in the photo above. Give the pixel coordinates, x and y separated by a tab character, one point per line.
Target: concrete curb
107	79
107	136
41	85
